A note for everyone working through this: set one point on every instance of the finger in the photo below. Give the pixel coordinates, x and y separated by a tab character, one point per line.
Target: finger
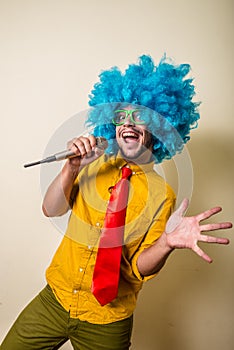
88	143
202	254
93	141
183	207
70	143
81	146
77	147
97	146
216	226
208	213
211	239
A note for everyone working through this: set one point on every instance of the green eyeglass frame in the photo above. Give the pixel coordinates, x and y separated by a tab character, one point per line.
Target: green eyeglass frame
125	113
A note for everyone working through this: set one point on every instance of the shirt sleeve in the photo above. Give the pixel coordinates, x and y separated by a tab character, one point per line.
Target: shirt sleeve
156	229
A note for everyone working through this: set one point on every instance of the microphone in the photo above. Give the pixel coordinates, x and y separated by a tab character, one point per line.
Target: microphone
101	144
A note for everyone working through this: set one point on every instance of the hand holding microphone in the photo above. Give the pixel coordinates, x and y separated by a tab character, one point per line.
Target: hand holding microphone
86	149
83	149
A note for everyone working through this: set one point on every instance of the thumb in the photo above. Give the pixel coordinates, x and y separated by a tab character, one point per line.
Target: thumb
176	218
181	210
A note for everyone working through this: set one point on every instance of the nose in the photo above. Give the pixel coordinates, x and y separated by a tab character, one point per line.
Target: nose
128	121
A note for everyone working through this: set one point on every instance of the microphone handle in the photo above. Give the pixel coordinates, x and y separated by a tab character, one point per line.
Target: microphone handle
59	156
101	143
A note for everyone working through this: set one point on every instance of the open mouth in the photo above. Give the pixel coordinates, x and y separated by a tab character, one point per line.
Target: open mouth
130	136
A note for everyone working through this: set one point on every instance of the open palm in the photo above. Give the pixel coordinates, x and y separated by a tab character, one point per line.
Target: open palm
186	232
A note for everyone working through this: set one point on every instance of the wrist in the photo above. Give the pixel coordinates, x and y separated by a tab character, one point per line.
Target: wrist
164	243
69	172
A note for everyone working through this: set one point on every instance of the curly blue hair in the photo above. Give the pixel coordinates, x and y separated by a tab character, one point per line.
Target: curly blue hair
162	92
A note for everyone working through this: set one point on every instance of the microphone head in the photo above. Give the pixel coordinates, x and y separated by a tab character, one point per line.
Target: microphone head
101	142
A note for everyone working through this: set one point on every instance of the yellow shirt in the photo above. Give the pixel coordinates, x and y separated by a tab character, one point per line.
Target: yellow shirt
69	275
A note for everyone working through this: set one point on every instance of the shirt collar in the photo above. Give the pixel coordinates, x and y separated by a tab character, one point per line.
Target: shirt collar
119	162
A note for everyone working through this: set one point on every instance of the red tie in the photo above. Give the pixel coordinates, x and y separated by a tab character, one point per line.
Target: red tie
107	267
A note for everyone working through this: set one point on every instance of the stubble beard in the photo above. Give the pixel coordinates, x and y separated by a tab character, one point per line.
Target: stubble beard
144	150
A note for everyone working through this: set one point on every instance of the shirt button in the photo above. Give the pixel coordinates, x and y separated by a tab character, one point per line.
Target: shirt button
75	291
97	223
133	173
89	247
80	269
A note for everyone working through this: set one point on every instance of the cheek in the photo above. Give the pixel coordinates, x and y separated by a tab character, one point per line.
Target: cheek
117	131
117	135
147	139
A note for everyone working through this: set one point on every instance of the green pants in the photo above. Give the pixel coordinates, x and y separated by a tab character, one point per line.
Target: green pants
44	325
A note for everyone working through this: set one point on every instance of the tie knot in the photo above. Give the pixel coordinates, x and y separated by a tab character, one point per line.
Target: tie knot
126	172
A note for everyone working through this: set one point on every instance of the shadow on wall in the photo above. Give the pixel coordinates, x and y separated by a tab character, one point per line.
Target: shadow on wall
189	305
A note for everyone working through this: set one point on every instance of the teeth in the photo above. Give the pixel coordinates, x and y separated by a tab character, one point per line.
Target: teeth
129	134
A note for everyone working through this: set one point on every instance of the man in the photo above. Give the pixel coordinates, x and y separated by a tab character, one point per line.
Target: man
77	303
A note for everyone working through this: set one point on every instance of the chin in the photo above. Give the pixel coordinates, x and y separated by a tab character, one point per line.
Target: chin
132	154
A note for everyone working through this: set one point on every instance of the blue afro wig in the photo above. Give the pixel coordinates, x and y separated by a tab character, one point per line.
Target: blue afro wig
162	92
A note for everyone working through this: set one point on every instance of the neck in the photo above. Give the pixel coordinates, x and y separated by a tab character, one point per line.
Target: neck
144	158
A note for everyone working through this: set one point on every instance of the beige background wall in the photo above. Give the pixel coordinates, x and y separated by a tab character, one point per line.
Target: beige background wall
51	54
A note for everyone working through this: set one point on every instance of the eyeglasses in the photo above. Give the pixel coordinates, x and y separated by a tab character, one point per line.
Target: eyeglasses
120	116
